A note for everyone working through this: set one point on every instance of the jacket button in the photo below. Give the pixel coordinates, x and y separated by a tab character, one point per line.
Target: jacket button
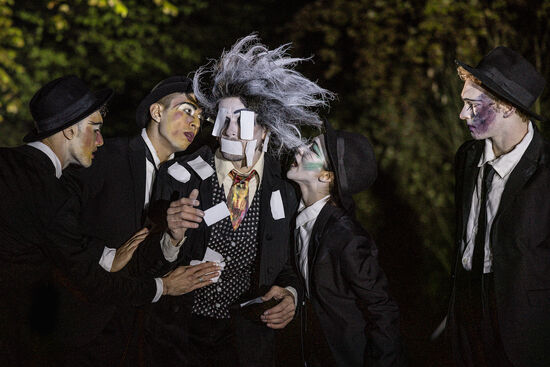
176	308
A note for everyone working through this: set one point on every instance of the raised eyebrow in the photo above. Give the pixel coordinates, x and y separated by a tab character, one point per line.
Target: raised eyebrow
471	100
93	123
189	103
239	111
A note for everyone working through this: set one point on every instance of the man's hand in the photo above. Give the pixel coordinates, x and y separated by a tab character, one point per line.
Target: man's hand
182	215
125	252
188	278
279	316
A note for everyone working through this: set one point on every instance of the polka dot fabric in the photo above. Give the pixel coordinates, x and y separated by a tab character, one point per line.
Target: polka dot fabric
239	249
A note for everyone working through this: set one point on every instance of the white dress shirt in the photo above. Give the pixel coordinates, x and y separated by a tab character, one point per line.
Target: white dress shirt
304	226
503	165
49	152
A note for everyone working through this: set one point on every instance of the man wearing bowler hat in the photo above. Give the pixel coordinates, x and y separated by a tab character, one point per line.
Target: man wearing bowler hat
120	181
349	318
500	305
49	272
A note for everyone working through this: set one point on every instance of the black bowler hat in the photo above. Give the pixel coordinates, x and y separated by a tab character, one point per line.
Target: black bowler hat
173	84
352	160
506	74
62	103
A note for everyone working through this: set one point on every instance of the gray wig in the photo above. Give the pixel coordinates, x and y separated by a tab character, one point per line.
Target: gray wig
266	82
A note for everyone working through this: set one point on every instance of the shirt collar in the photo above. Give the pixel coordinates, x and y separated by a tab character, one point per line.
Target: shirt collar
504	164
50	153
152	148
309	213
224	166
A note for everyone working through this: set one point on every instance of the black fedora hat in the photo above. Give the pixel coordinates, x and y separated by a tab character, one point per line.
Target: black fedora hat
352	159
62	103
506	74
173	84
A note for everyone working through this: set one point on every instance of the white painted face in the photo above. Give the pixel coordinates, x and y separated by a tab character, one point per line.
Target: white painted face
231	108
309	162
86	140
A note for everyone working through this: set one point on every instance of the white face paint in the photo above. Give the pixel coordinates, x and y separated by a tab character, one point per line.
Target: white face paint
231	132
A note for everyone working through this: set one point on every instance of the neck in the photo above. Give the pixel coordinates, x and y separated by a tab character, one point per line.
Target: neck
312	193
56	146
510	137
162	147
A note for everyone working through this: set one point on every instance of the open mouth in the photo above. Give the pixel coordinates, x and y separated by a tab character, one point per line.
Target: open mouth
189	136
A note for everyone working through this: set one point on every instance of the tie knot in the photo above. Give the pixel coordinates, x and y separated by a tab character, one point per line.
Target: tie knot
238	178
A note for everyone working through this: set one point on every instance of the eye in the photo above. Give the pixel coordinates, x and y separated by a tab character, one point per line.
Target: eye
187	108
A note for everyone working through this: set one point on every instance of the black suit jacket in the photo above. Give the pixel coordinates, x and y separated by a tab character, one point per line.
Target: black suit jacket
348	292
49	273
520	240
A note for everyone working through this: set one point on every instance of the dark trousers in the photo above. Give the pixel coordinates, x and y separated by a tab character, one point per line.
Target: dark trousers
477	341
229	342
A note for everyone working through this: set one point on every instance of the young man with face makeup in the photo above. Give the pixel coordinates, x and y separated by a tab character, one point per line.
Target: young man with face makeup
499	312
349	319
244	207
56	297
118	187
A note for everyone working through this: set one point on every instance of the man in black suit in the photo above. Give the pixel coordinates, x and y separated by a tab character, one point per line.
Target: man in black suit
244	207
349	319
49	273
500	305
120	181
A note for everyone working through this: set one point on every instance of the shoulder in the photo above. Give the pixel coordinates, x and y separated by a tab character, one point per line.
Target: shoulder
468	146
344	228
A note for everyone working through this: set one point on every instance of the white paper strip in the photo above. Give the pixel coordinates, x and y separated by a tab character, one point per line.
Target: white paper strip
247	125
266	142
276	203
179	172
249	152
220	122
216	213
231	147
202	168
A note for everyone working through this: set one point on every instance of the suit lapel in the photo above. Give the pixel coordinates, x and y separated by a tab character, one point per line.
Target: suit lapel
525	168
315	239
137	168
471	171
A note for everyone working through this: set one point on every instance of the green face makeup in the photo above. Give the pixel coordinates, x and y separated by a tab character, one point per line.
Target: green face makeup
316	161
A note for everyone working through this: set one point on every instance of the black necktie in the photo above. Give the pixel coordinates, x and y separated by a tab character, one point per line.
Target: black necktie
478	258
150	158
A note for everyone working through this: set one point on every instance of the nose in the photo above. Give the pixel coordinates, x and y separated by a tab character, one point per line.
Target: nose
195	121
232	129
99	139
465	113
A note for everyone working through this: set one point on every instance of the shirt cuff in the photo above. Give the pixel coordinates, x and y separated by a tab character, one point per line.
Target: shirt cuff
107	258
170	251
294	293
160	286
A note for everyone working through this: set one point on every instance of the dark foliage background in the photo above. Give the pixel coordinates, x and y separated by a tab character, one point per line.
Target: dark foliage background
391	62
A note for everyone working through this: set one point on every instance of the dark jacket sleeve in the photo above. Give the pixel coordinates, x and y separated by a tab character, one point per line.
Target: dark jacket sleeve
366	278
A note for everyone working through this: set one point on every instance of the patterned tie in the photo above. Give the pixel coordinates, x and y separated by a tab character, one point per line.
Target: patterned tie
237	202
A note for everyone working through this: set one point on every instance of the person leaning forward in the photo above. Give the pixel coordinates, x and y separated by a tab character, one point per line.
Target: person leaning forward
499	312
119	185
50	273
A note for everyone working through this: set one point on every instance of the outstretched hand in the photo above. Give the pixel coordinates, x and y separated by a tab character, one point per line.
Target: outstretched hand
181	215
185	279
125	252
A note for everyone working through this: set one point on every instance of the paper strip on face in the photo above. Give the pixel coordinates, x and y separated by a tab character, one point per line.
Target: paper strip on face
250	150
220	121
202	168
247	125
231	147
179	172
276	203
216	213
266	142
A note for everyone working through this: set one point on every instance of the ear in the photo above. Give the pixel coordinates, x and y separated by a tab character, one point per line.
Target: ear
326	176
155	110
509	110
70	132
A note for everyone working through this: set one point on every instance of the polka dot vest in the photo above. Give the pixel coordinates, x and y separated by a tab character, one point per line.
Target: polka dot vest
239	249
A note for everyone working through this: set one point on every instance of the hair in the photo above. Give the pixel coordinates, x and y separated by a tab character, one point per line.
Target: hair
266	82
465	75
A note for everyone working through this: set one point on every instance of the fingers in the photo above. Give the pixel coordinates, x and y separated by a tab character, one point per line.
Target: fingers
194	194
280	315
190	201
203	268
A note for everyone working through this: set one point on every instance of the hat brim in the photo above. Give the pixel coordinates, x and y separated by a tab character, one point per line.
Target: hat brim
143	115
102	97
495	89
